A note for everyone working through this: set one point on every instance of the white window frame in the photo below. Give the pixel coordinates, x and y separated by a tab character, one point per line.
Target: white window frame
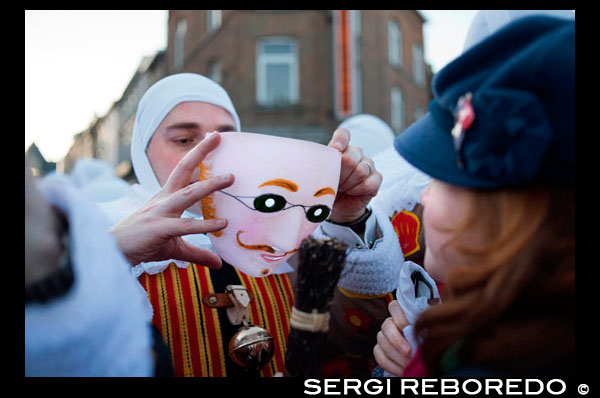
397	109
215	71
419	112
262	60
179	43
213	20
394	43
418	65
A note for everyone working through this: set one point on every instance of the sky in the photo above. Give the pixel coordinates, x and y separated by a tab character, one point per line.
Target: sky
78	63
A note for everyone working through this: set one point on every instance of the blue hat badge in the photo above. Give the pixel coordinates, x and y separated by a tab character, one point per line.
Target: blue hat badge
464	115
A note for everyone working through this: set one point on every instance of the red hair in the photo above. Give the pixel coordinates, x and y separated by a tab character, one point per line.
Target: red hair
511	306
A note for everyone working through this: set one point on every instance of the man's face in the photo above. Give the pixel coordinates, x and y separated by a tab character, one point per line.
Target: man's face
283	189
180	131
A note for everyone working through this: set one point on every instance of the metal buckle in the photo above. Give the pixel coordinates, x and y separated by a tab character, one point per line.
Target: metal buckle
239	312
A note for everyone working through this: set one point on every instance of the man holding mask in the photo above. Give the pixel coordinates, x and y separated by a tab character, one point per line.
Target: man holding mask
174	116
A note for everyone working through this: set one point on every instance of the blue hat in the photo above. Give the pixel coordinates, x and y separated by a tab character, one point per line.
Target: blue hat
503	112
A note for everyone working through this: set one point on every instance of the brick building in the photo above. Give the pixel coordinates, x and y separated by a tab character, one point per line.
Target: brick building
300	72
295	73
84	146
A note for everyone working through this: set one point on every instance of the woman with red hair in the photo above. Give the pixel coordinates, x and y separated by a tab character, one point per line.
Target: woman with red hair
499	143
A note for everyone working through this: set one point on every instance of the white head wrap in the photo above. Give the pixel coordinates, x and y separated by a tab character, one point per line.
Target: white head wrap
487	22
369	132
156	104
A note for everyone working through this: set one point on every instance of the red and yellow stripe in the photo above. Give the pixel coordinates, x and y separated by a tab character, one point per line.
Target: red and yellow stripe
192	330
213	340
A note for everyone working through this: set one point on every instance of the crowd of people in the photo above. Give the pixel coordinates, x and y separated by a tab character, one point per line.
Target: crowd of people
460	233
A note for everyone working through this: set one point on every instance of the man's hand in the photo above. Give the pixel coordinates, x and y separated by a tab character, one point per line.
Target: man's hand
359	180
392	351
154	231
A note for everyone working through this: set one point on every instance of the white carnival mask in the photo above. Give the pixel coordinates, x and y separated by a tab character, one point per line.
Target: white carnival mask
283	189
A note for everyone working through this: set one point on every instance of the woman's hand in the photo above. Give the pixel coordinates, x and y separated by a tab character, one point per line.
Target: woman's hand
154	231
359	180
392	351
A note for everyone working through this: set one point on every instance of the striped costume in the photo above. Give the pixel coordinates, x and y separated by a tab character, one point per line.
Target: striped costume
197	335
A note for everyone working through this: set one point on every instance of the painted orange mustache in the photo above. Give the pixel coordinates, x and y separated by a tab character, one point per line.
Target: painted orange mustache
265	248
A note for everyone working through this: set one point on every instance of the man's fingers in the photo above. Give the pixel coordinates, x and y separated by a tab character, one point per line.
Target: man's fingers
340	139
363	169
176	227
196	255
350	161
181	175
358	174
368	187
191	194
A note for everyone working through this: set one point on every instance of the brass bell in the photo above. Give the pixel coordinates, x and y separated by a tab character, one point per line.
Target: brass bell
251	347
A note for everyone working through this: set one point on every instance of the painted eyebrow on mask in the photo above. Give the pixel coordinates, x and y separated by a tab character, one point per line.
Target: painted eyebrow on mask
324	191
280	182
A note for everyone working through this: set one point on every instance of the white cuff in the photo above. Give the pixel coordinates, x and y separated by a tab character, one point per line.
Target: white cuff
345	234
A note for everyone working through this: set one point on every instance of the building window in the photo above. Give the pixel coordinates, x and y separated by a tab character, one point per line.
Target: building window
213	20
419	112
394	44
418	65
397	109
178	46
277	72
215	71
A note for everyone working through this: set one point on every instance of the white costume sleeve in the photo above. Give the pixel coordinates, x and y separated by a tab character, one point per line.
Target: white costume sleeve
99	327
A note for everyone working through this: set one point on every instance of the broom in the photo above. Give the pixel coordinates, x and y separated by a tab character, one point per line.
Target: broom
321	262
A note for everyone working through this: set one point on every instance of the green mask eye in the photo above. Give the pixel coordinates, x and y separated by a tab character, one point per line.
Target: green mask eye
317	213
269	203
